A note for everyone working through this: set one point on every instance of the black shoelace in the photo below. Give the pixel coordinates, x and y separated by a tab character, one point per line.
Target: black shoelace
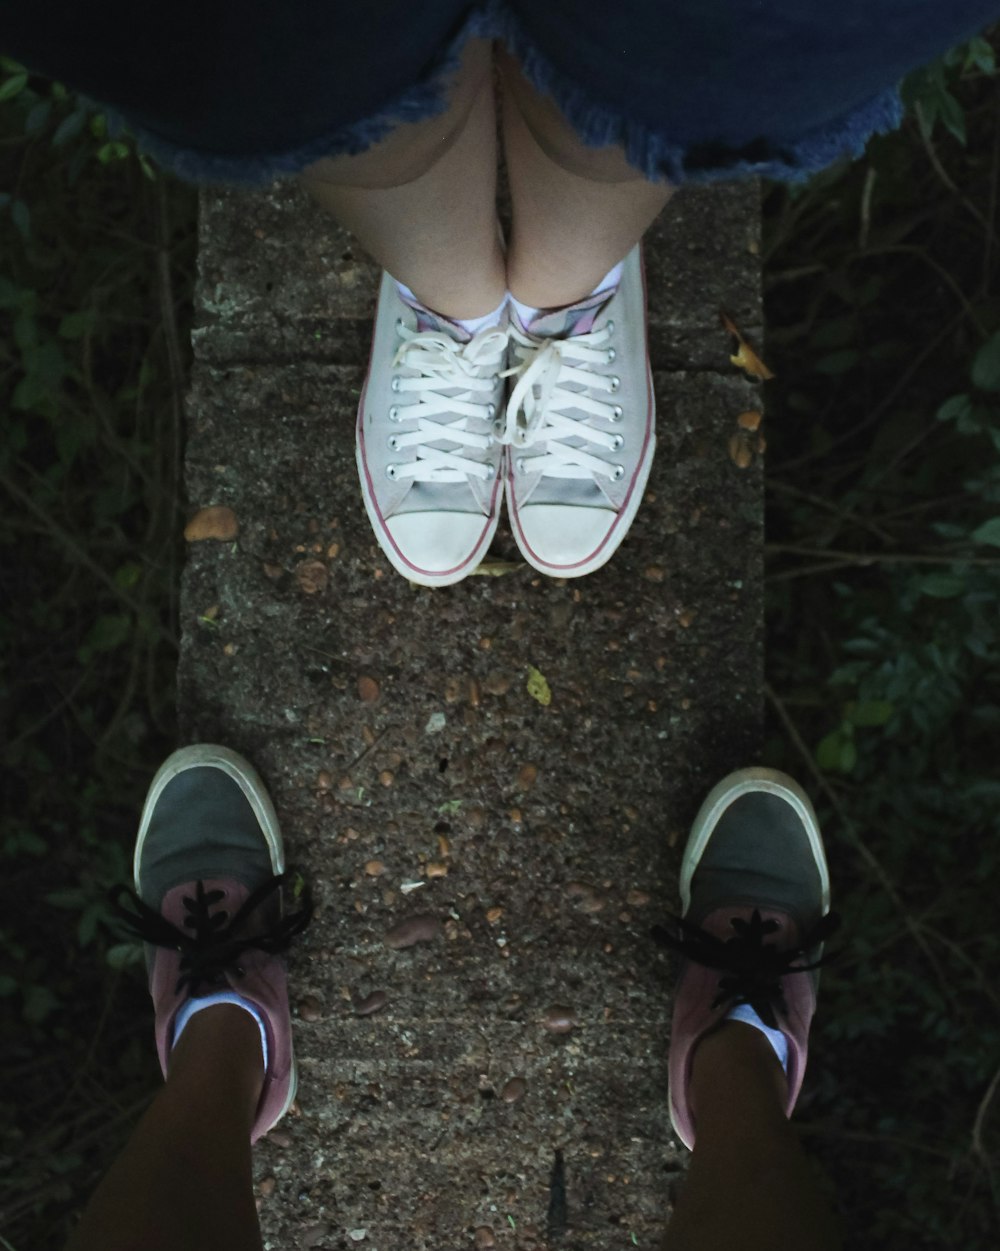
751	969
212	947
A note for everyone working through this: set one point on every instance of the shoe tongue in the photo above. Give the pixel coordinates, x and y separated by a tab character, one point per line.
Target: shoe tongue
569	319
427	319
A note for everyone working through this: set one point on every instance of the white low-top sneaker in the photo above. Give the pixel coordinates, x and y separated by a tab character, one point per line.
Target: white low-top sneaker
428	454
580	423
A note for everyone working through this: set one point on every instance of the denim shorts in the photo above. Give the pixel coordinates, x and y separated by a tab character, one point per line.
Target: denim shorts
695	91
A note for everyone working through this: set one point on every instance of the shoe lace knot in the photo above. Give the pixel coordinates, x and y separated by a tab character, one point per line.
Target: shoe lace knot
563	386
452	388
752	970
210	941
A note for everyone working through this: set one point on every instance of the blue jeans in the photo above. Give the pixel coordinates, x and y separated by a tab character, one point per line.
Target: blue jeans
243	91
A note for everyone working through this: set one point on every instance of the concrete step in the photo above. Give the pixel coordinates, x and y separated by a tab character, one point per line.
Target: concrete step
415	774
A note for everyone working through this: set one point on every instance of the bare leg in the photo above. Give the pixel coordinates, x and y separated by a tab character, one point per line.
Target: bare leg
576	210
750	1186
184	1178
423	201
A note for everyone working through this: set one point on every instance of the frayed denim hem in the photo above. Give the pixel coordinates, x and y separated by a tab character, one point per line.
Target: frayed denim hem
416	104
659	160
650	151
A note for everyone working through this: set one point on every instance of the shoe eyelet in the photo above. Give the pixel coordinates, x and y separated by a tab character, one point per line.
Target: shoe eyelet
394	385
390	472
611	355
498	427
617	413
394	413
490	471
619	473
610	326
618	443
393	443
616	382
491	410
521	465
399	323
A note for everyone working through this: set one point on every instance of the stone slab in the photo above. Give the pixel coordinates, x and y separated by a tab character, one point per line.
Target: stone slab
415	773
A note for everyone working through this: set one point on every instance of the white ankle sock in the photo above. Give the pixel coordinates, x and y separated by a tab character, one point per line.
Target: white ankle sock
194	1006
608	283
743	1012
471	325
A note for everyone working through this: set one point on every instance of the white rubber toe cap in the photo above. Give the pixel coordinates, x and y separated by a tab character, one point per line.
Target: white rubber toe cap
436	548
567	541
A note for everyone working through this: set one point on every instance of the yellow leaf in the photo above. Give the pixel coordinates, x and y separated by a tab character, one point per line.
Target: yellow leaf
538	688
495	568
746	358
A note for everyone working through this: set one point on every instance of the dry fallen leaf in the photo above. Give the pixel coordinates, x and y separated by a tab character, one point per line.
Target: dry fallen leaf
216	522
368	689
749	421
746	358
739	450
495	568
312	576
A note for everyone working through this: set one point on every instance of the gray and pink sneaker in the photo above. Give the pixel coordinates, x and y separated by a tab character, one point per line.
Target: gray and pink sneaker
755	896
209	872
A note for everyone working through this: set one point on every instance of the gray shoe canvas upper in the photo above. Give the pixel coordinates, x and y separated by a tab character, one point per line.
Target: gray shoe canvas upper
758	855
207	814
202	827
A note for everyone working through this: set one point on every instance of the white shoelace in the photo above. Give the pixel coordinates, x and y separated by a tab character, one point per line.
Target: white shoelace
449	381
554	379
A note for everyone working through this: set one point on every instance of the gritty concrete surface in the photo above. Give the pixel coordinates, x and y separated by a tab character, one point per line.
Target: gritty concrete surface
502	1081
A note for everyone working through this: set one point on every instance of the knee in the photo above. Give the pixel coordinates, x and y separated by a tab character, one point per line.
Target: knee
405	155
550	130
414	148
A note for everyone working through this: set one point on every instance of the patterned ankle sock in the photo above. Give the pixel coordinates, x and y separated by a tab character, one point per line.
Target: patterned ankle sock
471	325
526	314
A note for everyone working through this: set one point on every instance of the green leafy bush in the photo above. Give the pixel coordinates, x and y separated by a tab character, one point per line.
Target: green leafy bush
884	646
96	263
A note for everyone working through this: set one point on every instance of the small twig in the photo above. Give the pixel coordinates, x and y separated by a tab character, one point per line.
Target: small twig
867	191
175	365
818	1130
992	210
978	1145
863	559
880	408
66	540
943	174
818	501
808	571
862	849
909	249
